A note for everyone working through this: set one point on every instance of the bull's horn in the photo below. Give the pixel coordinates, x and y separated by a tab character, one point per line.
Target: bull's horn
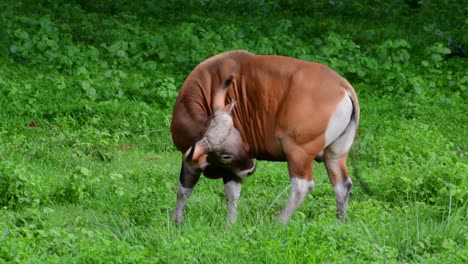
190	154
198	149
196	157
220	95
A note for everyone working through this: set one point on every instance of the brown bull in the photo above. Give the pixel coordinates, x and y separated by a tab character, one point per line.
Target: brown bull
278	109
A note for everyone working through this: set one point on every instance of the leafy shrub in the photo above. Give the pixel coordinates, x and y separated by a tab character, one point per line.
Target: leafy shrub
19	188
40	41
77	187
436	54
415	172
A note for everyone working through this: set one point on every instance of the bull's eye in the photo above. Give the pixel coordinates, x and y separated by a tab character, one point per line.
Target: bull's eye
226	158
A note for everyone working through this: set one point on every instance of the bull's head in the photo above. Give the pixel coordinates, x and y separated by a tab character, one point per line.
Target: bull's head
221	147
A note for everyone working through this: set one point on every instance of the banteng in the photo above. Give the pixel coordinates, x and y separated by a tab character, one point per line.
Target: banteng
237	107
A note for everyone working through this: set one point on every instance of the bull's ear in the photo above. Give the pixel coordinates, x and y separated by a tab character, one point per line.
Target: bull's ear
228	108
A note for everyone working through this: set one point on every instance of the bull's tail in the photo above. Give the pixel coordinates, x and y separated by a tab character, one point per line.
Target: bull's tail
356	146
354	101
355	163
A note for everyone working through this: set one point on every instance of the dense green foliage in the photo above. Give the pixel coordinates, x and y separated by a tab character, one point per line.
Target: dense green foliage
88	172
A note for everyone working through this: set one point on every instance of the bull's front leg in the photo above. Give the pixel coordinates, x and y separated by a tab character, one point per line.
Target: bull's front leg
232	190
188	180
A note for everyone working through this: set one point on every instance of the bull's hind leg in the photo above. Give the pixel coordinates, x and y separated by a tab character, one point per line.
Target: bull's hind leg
188	180
300	172
339	178
335	161
299	189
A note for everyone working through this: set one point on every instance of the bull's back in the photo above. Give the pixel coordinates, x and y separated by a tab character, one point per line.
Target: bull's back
276	97
281	97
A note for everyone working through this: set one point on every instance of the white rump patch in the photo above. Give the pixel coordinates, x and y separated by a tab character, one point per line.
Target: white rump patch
339	120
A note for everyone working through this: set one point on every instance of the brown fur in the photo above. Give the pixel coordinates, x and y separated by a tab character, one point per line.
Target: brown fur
279	100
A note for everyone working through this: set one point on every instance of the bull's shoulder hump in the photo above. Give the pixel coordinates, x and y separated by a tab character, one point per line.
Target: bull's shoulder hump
222	58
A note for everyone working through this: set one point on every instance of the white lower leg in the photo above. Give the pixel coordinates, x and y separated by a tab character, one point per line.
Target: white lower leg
182	195
232	191
299	190
342	194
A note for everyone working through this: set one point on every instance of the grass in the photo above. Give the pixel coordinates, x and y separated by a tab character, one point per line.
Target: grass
127	204
88	173
415	236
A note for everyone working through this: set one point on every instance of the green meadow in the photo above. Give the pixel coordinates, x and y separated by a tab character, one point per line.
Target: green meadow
89	174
